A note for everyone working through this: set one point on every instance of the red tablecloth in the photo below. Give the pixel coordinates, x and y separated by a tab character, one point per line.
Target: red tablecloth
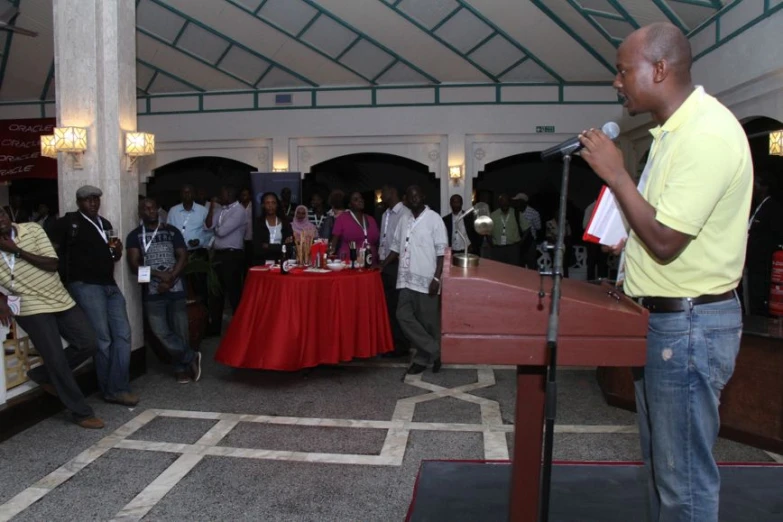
300	320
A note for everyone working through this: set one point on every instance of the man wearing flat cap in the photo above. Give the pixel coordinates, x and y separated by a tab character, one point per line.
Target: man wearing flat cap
88	248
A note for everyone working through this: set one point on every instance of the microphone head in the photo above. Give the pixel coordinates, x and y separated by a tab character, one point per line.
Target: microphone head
611	129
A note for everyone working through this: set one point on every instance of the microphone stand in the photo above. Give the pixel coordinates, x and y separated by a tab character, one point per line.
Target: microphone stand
551	344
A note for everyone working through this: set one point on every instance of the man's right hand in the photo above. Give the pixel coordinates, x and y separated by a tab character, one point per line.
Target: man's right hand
615	250
194	242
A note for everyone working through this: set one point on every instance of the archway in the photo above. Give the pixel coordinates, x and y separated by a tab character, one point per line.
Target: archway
541	182
367	173
758	129
206	173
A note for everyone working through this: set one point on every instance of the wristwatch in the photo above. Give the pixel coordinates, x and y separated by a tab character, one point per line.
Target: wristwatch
18	254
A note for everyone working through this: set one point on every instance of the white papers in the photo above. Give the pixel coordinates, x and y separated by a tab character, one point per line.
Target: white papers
607	225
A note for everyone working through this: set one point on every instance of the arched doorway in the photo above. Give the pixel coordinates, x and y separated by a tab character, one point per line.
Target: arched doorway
758	129
541	181
206	173
367	173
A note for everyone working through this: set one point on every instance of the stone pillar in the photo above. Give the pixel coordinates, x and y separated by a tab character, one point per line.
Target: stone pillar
95	63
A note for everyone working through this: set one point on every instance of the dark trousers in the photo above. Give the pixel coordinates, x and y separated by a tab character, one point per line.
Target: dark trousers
45	331
389	278
419	315
229	265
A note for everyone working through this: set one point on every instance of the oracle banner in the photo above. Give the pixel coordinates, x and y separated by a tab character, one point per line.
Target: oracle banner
20	149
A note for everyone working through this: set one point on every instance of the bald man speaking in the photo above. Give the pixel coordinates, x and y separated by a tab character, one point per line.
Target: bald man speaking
683	261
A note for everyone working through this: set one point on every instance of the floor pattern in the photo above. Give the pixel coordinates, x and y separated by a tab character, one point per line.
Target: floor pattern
196	438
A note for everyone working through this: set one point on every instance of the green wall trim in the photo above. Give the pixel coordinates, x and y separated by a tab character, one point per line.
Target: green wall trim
725	38
48	82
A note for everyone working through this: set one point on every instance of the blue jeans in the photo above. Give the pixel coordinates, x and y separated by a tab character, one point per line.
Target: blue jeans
168	320
104	306
690	358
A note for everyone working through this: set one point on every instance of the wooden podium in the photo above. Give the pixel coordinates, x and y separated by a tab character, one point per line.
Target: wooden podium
492	314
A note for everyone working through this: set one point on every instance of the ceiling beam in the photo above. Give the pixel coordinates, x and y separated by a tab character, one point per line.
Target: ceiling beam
565	27
511	40
8	39
230	40
440	40
258	15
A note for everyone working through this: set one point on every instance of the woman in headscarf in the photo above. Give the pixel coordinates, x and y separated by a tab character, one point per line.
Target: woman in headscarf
301	224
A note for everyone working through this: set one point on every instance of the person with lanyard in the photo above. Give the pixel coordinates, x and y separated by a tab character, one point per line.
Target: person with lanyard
28	275
765	236
246	199
683	260
319	217
88	256
355	226
419	244
391	218
188	217
272	230
454	224
229	228
158	255
510	230
286	208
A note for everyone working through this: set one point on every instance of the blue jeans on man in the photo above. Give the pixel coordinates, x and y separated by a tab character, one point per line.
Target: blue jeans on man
690	358
105	307
168	320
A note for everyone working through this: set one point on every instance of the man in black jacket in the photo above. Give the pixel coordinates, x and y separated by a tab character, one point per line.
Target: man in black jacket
765	236
465	226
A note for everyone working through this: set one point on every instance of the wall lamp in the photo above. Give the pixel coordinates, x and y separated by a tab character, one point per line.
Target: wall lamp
72	141
455	173
48	149
138	144
776	143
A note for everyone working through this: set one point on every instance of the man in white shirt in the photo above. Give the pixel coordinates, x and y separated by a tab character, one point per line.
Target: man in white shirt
419	244
391	218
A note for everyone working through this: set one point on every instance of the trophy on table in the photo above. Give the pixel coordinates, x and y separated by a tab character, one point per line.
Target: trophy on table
482	225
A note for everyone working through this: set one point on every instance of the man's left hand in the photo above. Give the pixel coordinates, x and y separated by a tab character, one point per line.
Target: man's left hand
434	287
603	156
8	245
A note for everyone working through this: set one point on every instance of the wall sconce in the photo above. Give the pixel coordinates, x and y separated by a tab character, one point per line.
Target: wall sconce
776	143
73	141
48	149
378	196
138	144
455	173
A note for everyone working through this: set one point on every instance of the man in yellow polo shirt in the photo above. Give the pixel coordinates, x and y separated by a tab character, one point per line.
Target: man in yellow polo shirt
29	271
683	262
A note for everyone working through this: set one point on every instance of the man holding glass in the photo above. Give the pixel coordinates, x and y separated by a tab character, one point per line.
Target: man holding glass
88	247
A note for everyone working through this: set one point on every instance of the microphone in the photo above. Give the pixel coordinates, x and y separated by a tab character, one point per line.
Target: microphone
572	145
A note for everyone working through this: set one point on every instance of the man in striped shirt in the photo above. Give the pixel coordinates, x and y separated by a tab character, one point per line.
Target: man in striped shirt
47	312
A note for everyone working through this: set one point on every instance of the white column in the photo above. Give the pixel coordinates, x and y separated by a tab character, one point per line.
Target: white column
95	59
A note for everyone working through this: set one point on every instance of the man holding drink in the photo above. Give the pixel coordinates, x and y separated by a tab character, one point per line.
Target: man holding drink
88	247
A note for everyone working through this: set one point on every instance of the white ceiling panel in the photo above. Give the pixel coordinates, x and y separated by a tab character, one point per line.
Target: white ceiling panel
464	30
203	43
616	28
428	12
526	23
644	12
497	55
367	58
164	84
159	21
403	38
143	75
692	15
400	73
243	64
236	24
329	36
291	15
183	66
527	71
280	78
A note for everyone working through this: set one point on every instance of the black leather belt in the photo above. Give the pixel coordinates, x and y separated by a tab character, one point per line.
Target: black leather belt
229	250
664	305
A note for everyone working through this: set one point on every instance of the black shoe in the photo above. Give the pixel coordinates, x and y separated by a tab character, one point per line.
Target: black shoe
436	365
416	369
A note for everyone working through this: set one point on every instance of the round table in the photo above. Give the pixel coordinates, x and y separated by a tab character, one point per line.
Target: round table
303	319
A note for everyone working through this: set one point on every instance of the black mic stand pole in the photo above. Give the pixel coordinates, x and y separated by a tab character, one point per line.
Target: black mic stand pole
551	344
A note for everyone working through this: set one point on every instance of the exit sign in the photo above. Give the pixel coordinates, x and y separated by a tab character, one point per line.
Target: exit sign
545	129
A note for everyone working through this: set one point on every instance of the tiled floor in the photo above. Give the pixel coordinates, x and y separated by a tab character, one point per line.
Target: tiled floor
337	443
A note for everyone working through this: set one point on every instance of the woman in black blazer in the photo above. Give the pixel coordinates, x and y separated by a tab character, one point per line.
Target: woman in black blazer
271	231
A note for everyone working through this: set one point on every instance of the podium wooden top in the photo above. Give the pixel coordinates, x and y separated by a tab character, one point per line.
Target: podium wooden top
492	314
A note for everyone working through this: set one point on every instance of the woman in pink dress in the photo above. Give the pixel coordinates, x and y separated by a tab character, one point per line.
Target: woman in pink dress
355	225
